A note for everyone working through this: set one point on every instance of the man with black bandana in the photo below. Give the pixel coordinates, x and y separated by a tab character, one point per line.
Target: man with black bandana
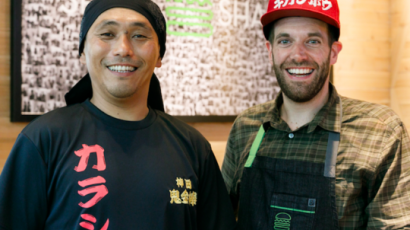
108	160
312	159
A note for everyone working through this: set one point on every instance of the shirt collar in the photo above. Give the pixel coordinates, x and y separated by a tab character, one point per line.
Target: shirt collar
328	117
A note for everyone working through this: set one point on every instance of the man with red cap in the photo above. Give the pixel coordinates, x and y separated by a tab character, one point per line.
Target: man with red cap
312	159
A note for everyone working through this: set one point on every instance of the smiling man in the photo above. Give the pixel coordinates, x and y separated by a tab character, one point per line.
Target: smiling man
312	159
109	160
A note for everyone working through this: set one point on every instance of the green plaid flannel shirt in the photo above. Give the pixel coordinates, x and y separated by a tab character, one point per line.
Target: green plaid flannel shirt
373	161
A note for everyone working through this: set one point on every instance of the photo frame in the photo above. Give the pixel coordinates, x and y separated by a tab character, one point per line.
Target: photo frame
215	66
15	74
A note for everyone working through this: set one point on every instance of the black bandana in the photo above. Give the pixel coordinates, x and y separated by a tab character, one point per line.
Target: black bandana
83	89
147	8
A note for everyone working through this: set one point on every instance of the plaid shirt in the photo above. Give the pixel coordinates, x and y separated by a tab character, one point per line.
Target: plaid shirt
373	161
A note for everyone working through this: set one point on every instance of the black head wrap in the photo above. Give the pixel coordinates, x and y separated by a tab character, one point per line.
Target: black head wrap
148	8
83	89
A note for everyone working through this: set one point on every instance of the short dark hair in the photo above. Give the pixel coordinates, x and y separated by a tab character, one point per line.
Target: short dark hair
333	32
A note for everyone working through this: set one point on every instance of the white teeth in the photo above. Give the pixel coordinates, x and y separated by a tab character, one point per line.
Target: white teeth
121	68
300	71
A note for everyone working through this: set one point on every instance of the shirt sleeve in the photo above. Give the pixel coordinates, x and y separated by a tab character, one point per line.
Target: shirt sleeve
214	208
23	202
390	205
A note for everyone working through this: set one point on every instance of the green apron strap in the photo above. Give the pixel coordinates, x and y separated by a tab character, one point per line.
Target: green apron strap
255	146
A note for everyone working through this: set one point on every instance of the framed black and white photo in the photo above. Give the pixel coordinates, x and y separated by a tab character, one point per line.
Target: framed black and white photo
216	64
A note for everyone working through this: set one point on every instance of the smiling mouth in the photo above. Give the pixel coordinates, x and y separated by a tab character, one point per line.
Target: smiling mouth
122	68
300	72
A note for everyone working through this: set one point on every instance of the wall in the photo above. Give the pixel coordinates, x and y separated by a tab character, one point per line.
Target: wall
8	130
374	65
216	134
363	68
400	59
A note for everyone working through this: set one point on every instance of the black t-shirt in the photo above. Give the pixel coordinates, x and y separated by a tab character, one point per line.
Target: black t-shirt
78	168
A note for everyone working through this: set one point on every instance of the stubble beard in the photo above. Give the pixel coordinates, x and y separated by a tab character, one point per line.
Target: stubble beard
122	89
299	91
121	93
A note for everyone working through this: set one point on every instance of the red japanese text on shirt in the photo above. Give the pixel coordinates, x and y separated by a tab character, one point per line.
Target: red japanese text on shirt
93	185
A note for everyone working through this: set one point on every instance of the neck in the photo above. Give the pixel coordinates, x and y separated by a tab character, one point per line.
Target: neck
297	114
129	109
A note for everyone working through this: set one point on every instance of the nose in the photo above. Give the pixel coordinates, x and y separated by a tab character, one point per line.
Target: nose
299	53
123	46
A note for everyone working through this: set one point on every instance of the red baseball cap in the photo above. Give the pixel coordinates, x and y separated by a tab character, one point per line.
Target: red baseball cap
324	10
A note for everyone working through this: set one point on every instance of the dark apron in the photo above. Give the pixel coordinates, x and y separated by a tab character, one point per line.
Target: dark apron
278	194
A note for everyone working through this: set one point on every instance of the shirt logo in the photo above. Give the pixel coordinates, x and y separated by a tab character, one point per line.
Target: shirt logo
186	197
93	185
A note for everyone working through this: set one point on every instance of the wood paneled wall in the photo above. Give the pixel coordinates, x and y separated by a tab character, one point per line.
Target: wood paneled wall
374	65
8	130
400	59
216	134
363	68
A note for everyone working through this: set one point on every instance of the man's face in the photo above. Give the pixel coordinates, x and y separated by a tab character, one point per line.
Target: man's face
121	51
301	57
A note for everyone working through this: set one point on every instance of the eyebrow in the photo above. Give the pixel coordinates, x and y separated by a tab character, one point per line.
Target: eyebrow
106	23
316	34
286	35
282	35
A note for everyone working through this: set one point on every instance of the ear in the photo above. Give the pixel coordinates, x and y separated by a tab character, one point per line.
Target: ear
334	52
270	48
159	62
82	58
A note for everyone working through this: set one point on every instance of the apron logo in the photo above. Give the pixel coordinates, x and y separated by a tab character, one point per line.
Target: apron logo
312	203
282	221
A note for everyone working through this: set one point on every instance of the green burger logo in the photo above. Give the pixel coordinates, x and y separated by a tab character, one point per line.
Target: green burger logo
282	221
